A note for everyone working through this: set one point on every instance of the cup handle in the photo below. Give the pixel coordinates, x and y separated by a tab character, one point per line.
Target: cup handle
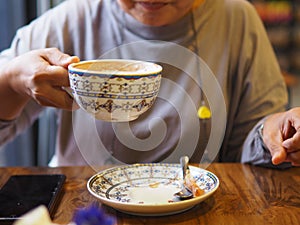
68	90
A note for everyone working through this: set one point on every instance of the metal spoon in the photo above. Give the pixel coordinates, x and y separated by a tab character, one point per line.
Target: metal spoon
184	193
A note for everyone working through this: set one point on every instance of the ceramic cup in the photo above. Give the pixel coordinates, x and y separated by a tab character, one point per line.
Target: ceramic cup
115	89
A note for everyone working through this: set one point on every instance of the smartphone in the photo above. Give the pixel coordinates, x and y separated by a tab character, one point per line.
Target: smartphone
21	193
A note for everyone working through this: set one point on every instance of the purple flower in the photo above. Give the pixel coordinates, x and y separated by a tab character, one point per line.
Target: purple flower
92	215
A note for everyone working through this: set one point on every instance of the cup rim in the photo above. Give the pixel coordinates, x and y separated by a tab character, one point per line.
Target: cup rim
73	67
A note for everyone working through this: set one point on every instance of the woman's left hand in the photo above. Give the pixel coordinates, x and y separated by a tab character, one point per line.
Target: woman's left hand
281	135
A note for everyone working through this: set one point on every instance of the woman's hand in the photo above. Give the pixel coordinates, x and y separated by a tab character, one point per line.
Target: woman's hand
38	74
281	134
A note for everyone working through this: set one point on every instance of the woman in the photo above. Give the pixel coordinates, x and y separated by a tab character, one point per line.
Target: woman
226	34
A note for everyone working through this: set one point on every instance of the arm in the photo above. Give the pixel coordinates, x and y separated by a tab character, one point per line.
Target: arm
31	47
256	90
31	62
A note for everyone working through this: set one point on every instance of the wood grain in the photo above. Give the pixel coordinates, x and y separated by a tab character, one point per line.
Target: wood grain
247	195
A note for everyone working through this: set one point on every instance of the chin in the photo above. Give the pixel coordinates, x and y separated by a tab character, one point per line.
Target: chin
154	21
153	24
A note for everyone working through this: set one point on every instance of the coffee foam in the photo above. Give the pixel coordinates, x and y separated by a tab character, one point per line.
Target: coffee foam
119	67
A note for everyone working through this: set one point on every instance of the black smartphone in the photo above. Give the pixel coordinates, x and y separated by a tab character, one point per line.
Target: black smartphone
21	193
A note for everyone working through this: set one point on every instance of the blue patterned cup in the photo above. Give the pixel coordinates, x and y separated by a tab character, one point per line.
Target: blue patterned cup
115	89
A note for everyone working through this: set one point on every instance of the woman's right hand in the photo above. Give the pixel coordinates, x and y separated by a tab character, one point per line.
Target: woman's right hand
38	74
281	134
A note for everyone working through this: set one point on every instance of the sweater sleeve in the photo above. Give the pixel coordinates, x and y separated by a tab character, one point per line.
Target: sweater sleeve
12	128
256	87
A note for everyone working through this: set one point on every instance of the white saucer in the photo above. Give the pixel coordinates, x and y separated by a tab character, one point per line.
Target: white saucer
147	189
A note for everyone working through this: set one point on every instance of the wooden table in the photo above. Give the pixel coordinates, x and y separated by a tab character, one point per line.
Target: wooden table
247	195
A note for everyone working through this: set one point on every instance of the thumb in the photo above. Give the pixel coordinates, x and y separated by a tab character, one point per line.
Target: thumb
68	60
279	155
57	58
273	138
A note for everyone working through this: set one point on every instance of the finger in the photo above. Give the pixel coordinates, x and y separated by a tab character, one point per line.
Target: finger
69	107
273	140
58	98
292	144
56	76
294	158
279	156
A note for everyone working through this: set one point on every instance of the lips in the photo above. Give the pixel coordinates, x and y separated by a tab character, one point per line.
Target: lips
152	6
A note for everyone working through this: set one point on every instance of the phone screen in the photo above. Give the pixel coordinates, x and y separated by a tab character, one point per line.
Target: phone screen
21	193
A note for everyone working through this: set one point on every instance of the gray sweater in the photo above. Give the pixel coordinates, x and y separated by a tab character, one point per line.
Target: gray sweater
236	70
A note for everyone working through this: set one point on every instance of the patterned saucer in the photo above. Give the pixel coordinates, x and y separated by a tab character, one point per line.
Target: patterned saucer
148	189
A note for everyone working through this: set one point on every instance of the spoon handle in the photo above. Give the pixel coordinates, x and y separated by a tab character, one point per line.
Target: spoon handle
184	161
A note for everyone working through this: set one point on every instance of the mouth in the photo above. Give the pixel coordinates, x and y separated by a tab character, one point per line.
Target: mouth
152	6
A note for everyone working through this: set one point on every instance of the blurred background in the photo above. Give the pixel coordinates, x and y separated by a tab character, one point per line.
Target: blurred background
36	146
17	13
282	22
